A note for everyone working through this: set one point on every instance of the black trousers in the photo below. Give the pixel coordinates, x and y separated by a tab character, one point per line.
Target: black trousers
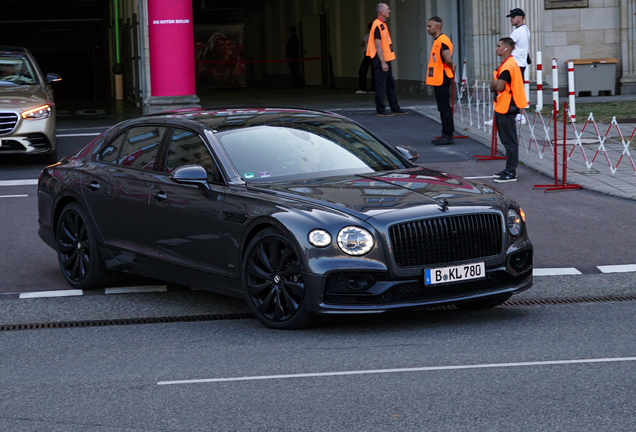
442	96
507	129
384	83
362	74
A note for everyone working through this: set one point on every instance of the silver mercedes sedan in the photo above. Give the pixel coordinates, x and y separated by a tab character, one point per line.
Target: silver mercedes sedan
27	108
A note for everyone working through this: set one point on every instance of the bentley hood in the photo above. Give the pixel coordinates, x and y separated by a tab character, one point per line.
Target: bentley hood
372	195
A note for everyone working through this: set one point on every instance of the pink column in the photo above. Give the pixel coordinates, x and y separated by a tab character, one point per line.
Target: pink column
171	45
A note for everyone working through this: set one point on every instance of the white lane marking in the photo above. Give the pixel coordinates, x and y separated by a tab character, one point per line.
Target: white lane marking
617	268
78	134
133	290
399	370
555	271
60	293
18	182
477	178
13	196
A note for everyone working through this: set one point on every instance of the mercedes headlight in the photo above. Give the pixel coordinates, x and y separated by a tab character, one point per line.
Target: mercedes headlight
38	113
514	222
355	240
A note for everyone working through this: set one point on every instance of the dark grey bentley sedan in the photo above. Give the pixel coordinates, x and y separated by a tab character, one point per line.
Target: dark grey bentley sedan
301	213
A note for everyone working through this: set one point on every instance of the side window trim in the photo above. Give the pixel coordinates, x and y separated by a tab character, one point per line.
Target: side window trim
106	143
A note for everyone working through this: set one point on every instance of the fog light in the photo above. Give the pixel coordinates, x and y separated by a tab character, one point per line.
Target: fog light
357	282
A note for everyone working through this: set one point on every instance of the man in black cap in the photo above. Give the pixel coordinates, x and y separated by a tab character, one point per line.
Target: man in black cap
521	36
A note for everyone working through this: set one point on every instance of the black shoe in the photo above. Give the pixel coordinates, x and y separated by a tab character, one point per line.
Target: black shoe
506	177
499	174
399	111
444	140
385	113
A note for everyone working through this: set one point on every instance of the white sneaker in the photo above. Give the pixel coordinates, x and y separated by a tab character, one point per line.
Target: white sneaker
521	119
361	92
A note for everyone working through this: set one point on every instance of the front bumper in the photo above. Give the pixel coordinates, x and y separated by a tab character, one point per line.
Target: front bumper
28	136
369	292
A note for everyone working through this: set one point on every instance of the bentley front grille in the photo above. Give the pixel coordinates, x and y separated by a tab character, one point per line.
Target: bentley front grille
446	239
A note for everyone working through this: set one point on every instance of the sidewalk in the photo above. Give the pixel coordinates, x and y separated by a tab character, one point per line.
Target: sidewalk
583	168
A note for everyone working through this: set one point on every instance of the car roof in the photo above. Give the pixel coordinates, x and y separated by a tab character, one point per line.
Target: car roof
12	49
230	118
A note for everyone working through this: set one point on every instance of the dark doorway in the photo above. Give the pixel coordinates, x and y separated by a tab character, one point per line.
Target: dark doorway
70	39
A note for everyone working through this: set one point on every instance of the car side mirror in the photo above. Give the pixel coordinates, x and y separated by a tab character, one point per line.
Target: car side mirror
408	152
52	77
191	175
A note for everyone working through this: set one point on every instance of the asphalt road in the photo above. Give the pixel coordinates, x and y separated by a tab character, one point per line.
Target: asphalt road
539	368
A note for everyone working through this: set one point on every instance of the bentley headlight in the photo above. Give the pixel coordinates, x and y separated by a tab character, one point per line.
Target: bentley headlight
319	238
38	113
514	222
355	240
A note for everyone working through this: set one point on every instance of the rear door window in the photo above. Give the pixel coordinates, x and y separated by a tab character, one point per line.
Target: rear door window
140	147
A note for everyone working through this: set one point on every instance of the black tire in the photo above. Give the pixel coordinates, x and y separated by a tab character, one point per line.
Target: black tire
77	251
273	282
486	303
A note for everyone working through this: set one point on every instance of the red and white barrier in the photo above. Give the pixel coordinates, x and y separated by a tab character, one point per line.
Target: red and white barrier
559	185
479	110
602	148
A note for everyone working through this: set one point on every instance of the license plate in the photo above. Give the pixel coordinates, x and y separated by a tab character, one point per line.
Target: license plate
454	273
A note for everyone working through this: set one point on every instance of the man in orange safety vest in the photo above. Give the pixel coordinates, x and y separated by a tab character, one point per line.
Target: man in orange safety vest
440	73
380	49
510	98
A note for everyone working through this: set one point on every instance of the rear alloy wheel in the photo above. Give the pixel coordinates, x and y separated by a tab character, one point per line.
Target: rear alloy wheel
486	303
274	283
77	250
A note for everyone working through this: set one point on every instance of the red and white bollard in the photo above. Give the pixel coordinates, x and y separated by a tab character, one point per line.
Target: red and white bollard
464	78
572	105
555	85
526	84
539	82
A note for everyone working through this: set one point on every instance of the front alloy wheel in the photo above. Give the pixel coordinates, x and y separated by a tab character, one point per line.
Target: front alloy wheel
273	282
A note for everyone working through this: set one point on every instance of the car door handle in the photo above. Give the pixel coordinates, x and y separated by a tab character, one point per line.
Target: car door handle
93	186
160	196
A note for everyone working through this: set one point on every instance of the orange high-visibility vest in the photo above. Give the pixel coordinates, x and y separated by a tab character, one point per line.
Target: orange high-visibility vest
513	91
387	46
436	66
